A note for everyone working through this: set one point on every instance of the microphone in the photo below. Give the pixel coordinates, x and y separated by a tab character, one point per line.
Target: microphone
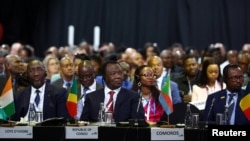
139	102
138	122
210	109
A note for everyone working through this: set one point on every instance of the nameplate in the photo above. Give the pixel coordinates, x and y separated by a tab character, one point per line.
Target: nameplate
17	132
199	104
81	132
167	134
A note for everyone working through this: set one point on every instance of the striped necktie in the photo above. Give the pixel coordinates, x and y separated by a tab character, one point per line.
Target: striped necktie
231	104
80	103
110	103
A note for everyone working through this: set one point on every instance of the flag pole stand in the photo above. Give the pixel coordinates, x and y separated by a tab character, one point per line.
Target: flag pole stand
168	125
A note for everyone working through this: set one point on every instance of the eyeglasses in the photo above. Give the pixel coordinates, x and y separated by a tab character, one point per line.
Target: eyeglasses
148	75
235	78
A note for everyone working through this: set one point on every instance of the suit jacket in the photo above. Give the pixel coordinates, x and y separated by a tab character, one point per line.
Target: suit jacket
58	82
125	106
54	103
16	87
176	71
125	83
176	98
98	86
175	94
216	104
3	81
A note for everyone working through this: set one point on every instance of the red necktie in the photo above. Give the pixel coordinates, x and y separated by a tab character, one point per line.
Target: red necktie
110	102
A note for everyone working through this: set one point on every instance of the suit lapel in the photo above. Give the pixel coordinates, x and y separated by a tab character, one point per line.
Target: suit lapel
223	98
102	97
47	97
119	99
219	101
79	91
27	102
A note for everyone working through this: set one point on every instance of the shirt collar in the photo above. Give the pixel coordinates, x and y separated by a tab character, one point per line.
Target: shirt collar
107	90
41	89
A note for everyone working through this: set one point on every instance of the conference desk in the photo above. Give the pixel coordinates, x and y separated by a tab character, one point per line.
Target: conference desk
102	133
145	134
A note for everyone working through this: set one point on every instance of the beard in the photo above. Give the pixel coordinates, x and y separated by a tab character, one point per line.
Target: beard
37	83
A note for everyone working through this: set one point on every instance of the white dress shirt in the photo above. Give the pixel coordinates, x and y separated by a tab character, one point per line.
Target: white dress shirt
38	107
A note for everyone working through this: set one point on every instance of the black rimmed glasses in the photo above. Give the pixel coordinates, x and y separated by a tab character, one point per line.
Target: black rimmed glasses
148	75
235	78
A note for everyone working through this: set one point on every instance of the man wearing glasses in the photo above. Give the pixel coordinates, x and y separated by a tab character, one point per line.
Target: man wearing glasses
229	97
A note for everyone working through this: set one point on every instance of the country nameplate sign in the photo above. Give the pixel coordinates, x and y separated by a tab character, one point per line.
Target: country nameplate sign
167	134
17	132
81	132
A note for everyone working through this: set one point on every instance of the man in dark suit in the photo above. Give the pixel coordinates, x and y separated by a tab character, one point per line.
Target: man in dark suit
49	99
155	62
233	77
67	73
122	102
169	63
86	77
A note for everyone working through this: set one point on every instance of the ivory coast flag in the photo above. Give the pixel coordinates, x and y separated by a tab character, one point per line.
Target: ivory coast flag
245	105
7	107
72	99
165	97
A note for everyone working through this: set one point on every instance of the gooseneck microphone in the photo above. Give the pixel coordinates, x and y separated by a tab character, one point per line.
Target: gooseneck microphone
210	109
138	122
139	103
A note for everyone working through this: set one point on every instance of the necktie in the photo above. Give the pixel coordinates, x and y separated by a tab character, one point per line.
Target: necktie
80	103
68	85
230	105
37	98
85	90
109	105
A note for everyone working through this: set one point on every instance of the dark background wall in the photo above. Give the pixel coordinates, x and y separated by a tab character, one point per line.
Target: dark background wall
195	23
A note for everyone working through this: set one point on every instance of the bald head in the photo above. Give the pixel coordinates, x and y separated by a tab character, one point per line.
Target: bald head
85	63
14	64
153	59
35	62
10	57
86	73
155	62
232	56
15	48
